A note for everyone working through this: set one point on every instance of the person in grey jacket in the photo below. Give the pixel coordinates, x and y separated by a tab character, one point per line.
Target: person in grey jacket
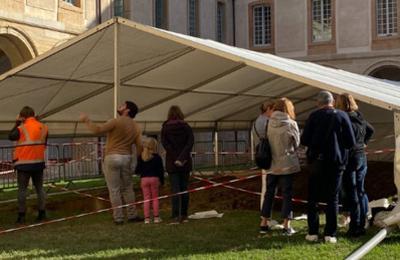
259	131
284	137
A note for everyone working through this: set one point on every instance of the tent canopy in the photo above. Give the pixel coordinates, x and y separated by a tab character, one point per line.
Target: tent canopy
216	85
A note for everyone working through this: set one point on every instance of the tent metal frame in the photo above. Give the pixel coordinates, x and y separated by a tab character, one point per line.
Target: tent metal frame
368	90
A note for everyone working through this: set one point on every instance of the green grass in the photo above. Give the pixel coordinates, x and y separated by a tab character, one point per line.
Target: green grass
11	193
234	236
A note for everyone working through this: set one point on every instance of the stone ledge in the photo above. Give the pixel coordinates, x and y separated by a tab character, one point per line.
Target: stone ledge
70	7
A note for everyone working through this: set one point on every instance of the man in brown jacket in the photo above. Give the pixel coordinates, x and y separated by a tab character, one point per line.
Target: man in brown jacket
122	133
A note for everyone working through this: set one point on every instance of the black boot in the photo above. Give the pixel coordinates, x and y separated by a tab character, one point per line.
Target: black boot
41	216
21	218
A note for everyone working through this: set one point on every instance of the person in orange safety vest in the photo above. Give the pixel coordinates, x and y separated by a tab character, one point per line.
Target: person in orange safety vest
30	138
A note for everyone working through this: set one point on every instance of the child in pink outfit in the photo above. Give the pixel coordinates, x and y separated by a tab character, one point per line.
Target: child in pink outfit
151	170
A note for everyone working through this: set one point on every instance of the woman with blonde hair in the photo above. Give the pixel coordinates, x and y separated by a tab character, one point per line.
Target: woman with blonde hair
284	138
151	170
356	169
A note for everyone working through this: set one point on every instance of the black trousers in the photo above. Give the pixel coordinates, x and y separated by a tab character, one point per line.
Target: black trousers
324	185
23	181
179	182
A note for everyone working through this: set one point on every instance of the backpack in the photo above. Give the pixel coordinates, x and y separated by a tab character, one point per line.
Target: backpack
263	154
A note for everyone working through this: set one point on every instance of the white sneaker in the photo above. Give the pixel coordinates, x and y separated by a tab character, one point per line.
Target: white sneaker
288	231
146	221
157	220
366	226
331	240
312	238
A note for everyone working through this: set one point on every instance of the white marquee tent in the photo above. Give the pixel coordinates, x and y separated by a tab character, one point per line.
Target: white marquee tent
217	86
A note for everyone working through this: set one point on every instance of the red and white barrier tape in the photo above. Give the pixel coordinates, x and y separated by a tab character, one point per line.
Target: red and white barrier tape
127	205
229	187
381	151
384	137
79	193
256	193
6	172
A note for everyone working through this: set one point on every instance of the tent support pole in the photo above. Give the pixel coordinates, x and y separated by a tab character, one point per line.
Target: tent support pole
251	145
216	148
116	68
397	150
373	242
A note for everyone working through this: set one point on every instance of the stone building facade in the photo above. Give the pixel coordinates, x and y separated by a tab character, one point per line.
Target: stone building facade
358	35
31	27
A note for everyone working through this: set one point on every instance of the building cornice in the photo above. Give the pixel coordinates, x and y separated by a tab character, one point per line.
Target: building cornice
350	56
57	27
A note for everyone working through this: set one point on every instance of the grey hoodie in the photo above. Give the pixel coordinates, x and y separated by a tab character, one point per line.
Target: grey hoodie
284	138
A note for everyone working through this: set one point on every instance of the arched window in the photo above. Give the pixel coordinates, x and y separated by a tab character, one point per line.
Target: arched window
5	63
389	72
15	48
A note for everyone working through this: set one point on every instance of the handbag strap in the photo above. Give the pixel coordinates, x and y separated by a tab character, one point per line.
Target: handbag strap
266	129
255	130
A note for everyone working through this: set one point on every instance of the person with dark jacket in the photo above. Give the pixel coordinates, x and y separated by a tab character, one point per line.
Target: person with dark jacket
177	139
151	170
328	135
259	130
356	170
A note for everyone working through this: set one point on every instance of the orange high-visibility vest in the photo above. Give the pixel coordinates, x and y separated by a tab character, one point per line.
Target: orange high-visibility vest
31	145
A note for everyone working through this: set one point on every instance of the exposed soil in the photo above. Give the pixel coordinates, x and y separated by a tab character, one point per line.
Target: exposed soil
379	184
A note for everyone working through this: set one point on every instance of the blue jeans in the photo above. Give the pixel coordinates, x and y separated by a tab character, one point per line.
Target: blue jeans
286	182
324	185
353	184
180	204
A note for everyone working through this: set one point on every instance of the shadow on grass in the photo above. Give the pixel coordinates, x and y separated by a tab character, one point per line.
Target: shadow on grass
235	235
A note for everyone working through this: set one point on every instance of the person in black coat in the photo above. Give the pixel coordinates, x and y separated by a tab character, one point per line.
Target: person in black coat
354	176
329	136
177	139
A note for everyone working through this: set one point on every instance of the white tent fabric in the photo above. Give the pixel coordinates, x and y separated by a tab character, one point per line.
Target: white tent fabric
216	85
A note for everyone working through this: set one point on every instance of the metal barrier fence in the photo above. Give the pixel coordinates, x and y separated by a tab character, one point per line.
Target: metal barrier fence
75	161
64	162
230	153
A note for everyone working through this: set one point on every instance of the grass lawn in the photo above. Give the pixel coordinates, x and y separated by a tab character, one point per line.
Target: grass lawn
234	236
11	193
